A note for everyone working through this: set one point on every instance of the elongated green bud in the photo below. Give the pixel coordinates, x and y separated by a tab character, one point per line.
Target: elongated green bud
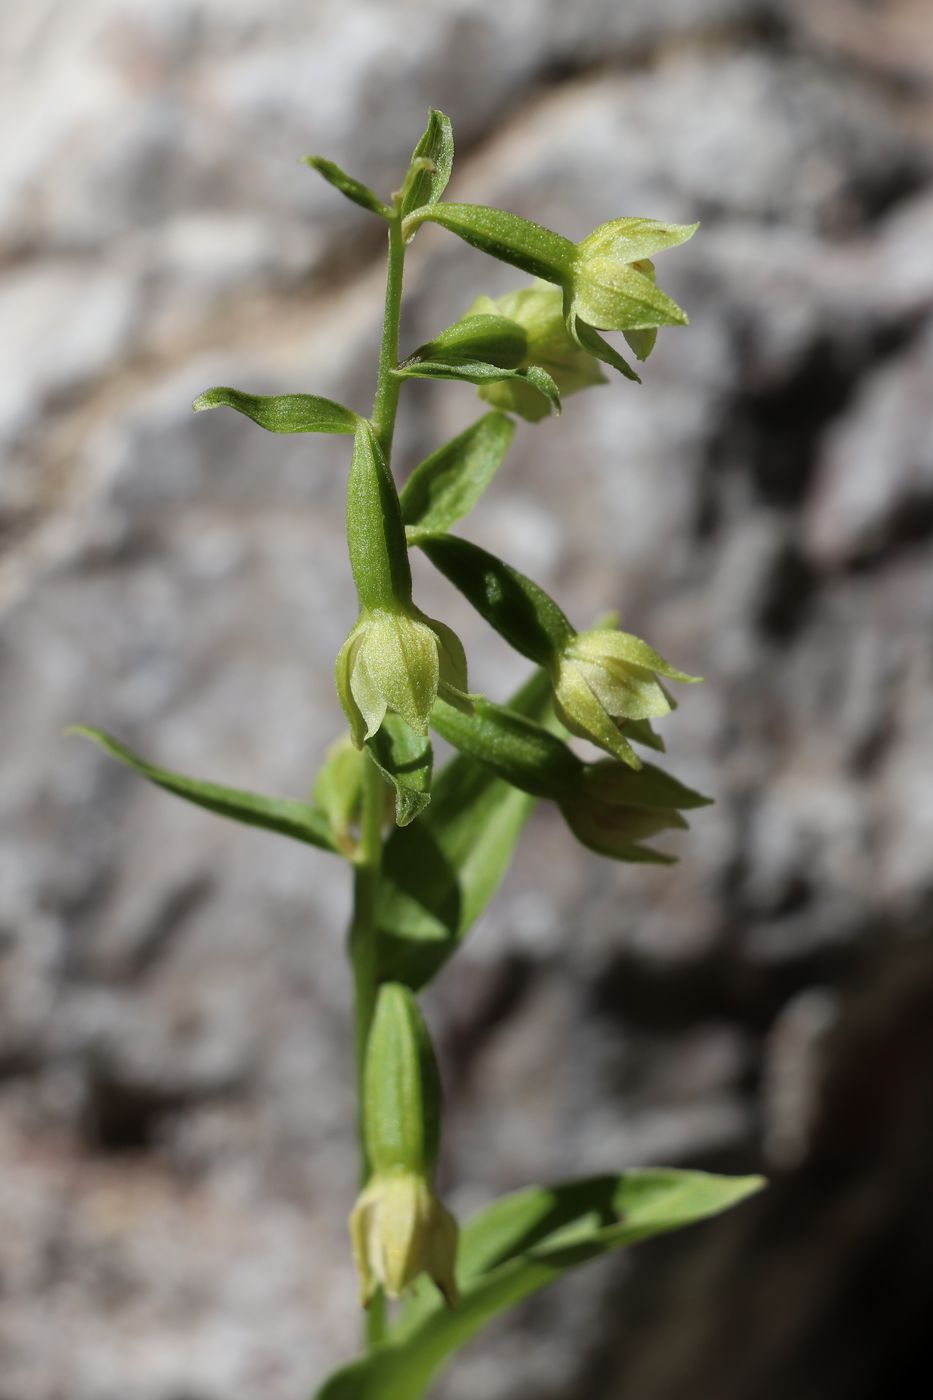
430	167
399	1228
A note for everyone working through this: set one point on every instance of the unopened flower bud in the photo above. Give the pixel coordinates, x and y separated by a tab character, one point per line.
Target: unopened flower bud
398	660
399	1230
604	678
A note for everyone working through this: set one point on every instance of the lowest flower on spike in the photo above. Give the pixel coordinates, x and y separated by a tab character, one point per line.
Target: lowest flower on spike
399	1228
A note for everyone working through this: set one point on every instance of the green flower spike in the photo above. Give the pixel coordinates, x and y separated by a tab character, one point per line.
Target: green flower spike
399	1229
537	312
398	660
604	678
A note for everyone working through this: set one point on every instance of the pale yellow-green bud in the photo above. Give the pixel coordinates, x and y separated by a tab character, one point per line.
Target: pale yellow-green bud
398	660
604	678
538	310
399	1230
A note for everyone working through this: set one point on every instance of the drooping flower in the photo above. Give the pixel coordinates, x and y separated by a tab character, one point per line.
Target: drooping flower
399	1230
398	660
613	810
604	678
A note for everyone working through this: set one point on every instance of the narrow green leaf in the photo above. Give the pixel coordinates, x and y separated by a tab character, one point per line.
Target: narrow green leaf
434	155
353	189
518	1246
299	820
283	413
478	372
405	759
439	874
447	485
505	236
648	787
520	611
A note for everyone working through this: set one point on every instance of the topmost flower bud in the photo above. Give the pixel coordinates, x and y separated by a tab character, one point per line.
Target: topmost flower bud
607	279
613	285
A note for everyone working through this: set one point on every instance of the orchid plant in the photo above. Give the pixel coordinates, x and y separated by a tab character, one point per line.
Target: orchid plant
427	851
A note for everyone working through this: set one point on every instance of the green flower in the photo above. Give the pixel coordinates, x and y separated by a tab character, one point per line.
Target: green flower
537	312
612	287
399	1230
398	660
618	831
603	679
612	810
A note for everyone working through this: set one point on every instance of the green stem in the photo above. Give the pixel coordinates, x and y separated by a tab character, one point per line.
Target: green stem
363	957
362	940
368	864
387	386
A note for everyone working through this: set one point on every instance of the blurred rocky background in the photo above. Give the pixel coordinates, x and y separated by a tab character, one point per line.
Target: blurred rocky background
176	1146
